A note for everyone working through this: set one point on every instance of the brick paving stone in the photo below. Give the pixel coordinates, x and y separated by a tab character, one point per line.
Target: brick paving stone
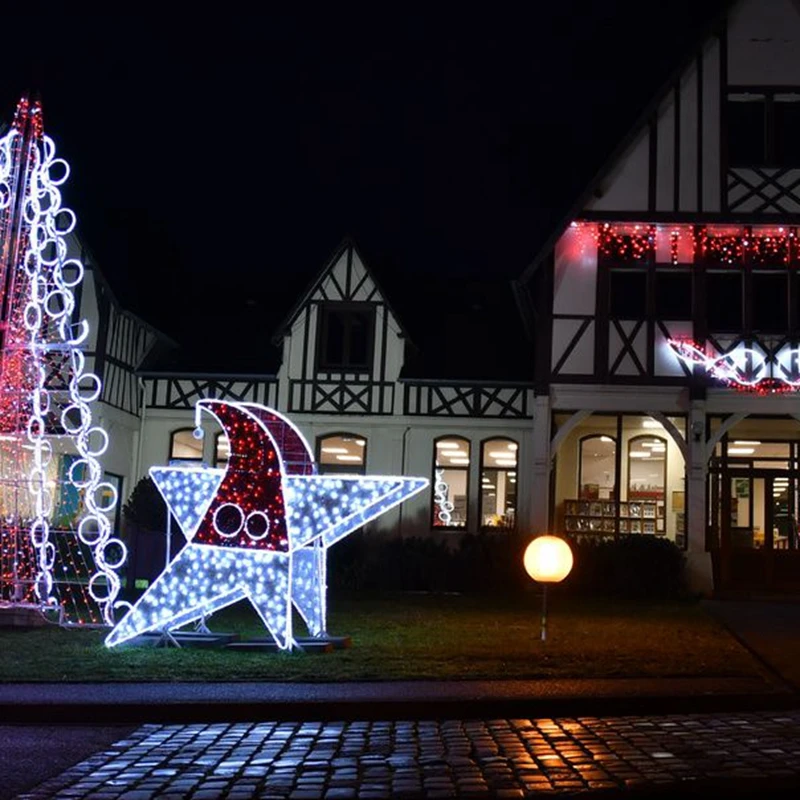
463	758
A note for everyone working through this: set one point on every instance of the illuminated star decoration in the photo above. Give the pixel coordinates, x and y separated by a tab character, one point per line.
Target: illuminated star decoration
745	368
257	529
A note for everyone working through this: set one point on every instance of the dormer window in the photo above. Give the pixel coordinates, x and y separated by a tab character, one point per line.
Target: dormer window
345	337
763	128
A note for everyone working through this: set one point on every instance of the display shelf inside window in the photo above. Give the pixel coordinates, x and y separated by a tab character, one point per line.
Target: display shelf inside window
604	517
626	245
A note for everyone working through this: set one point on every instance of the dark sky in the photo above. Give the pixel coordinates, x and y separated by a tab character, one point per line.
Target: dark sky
217	159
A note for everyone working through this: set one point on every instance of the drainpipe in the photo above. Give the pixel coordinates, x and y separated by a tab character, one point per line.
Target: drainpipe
142	417
402	472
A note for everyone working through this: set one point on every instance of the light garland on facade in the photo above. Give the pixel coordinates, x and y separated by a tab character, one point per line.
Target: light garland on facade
725	245
746	368
45	395
258	529
440	490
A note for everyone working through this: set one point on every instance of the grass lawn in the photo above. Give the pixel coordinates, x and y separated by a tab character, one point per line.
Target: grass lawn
413	636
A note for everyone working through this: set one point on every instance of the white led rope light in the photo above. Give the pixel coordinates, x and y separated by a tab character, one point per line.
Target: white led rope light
50	306
440	489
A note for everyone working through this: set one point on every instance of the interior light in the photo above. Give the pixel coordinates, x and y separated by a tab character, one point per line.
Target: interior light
448	445
660	449
606	439
500	454
741	451
334	450
459	460
651	423
507	462
348	458
512	445
746	442
639	454
361	442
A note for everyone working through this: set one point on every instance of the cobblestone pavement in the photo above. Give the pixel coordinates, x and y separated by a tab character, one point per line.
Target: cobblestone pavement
503	758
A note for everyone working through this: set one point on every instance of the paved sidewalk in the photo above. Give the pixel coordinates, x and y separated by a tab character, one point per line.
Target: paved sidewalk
502	758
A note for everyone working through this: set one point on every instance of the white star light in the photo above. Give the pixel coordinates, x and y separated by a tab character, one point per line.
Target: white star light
203	578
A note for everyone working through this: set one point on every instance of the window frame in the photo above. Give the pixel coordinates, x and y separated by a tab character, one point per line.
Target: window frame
172	435
482	467
346	467
615	495
466	468
324	310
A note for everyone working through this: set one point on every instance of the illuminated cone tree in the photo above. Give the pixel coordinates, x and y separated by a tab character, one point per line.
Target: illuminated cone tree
57	549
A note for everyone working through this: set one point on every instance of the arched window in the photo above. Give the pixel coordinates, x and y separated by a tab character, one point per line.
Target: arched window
498	507
450	482
222	450
597	468
647	468
183	446
342	452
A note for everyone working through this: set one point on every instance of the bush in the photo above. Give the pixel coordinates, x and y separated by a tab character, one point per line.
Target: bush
145	507
633	566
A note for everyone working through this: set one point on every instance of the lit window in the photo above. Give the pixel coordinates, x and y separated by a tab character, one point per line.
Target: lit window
647	468
342	452
184	446
499	483
597	470
450	482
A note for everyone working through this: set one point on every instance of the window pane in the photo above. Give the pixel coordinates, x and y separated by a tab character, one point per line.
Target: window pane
342	452
185	446
746	146
499	483
787	134
222	450
450	481
724	302
674	295
770	302
647	470
628	294
598	475
345	337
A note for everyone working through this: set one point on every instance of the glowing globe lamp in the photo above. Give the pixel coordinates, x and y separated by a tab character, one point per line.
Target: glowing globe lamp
547	559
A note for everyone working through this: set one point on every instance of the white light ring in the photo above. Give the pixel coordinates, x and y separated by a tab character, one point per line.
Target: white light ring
109	587
5	195
102	508
96	537
32	318
67	301
61	228
76	390
70	263
39	533
38	289
253	536
59	250
84	444
59	163
78	361
44	503
49	199
41	408
100	555
47	558
67	335
44	586
86	419
36	429
31	262
92	473
31	212
43	454
48	150
241	520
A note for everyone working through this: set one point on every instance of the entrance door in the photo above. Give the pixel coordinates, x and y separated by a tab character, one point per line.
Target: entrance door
758	530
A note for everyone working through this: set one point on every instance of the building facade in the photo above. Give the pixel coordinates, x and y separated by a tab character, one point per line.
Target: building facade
658	396
669	319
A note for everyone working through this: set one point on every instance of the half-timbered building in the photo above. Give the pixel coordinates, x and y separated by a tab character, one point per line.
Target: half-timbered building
667	312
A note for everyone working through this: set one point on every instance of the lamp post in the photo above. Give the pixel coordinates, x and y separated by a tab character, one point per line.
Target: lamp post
547	559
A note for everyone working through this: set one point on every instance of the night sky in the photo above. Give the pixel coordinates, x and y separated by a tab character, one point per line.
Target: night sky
218	160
